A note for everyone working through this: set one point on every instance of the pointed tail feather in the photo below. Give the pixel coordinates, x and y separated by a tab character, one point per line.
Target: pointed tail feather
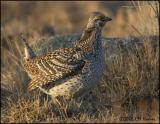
28	50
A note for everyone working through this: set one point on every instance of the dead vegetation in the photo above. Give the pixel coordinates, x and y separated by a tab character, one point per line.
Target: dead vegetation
129	88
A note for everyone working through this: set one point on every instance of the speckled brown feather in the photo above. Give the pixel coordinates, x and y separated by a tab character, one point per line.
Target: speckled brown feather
87	40
53	67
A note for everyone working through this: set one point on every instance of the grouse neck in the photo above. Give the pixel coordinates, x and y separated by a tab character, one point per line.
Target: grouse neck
90	39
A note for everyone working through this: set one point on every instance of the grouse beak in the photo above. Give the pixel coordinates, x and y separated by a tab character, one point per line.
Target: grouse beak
107	19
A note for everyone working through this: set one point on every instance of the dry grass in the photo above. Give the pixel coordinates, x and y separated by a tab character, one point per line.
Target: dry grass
130	86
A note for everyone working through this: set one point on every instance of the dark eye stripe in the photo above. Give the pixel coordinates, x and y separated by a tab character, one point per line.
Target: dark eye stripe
102	19
96	19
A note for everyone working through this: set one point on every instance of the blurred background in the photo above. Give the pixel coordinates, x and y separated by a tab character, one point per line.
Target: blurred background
130	84
38	19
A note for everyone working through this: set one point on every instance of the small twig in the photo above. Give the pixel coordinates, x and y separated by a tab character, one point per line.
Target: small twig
156	12
136	29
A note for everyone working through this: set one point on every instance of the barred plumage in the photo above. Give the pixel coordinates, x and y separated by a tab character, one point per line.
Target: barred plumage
70	71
